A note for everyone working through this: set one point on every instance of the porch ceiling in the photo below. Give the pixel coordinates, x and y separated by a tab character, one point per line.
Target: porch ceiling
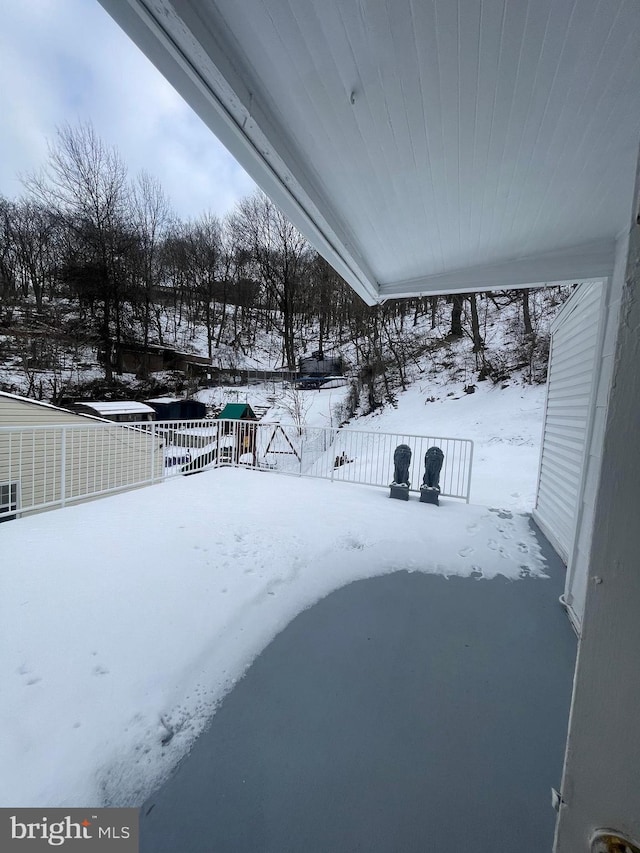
423	146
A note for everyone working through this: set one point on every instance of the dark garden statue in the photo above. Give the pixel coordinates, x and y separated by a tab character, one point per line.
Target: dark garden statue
430	489
401	461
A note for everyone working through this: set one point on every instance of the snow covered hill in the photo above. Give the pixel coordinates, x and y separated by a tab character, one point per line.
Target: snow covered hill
504	422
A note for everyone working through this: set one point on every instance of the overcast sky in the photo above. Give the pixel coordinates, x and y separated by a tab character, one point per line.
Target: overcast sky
68	61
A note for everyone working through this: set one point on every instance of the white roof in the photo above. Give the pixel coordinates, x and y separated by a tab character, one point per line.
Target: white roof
165	400
423	147
117	407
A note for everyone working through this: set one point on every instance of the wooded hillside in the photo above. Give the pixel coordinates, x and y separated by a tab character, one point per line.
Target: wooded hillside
92	261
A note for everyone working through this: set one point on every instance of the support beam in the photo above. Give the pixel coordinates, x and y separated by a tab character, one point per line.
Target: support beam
590	262
201	70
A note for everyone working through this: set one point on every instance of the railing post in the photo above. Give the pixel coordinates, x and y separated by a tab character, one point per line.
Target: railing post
469	474
63	466
153	452
333	450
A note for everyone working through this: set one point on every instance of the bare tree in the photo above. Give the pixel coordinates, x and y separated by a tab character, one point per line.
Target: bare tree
478	343
297	404
30	227
456	315
151	218
526	312
85	183
203	241
281	254
8	264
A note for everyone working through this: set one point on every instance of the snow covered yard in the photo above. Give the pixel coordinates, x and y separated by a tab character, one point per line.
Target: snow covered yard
505	425
124	621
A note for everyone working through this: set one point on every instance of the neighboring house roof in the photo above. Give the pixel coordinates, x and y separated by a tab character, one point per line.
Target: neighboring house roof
117	407
33	402
43	405
165	400
237	411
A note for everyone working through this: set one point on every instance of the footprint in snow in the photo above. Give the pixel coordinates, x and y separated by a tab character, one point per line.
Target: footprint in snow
523	548
23	669
495	546
473	528
100	670
501	513
466	552
351	543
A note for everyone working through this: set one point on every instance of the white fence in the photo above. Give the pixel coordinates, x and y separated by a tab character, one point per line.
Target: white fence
42	467
50	466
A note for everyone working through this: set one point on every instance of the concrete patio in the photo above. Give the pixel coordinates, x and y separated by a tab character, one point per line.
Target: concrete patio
408	712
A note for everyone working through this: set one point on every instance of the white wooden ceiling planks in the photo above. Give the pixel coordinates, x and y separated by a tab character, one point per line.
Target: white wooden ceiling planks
421	145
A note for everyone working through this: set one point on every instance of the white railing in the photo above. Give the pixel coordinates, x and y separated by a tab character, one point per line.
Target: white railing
348	455
43	467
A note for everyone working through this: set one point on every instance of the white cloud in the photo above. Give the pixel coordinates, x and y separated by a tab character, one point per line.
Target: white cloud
67	61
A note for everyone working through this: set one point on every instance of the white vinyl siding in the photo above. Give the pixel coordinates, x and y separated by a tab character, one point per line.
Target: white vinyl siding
90	457
578	568
573	360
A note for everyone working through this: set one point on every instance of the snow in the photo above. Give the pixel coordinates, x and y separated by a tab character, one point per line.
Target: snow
125	620
119	407
505	424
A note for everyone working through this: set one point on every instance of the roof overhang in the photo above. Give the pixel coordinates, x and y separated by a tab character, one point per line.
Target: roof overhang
422	148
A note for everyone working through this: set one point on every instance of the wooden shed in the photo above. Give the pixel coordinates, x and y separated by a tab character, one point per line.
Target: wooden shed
175	409
237	412
245	433
152	358
120	411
